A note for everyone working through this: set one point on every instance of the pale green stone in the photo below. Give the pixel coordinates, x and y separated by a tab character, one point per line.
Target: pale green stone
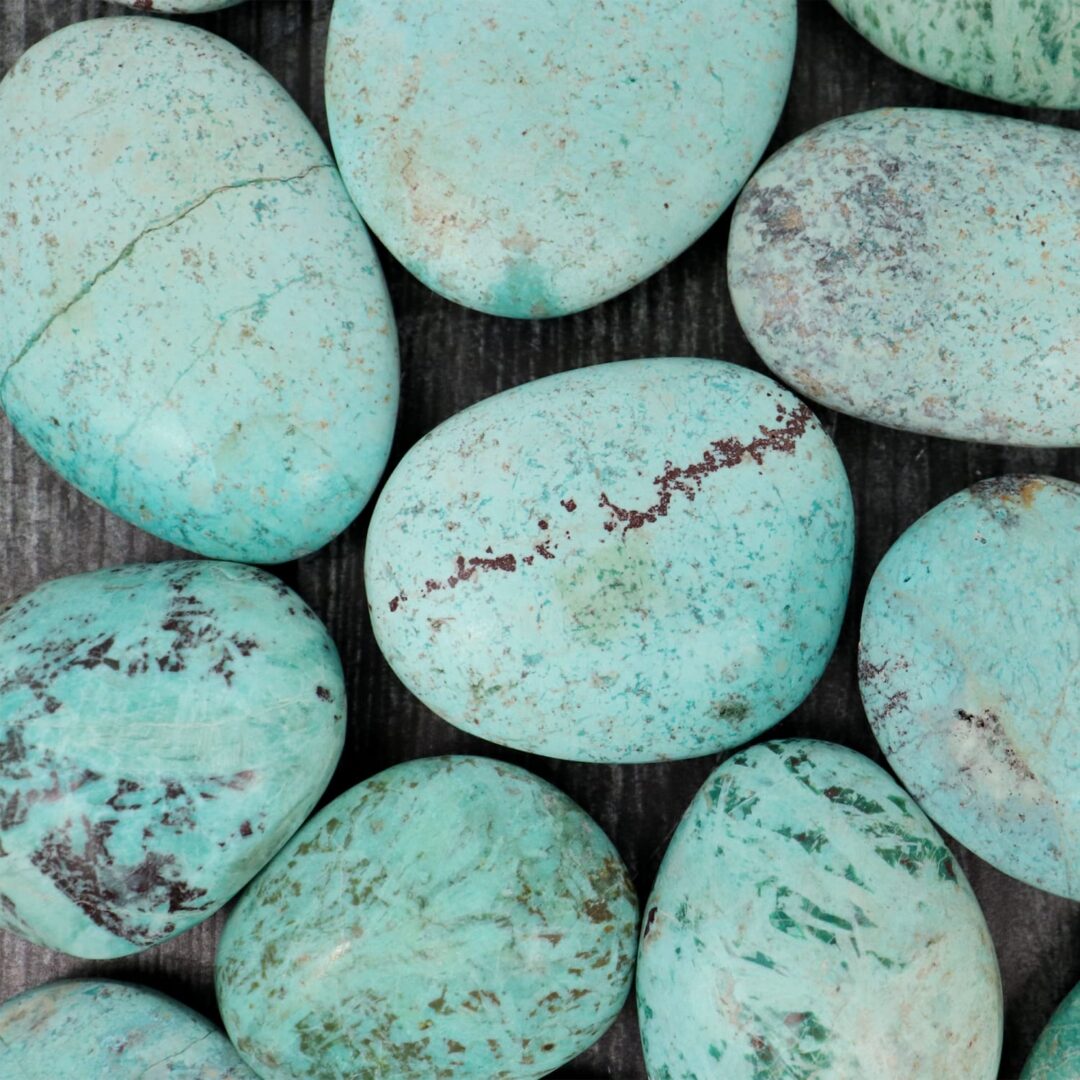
448	918
969	666
1023	51
626	562
808	922
97	1029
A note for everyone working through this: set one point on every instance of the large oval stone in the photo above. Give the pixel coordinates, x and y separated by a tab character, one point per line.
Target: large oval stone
182	7
85	1029
163	731
194	329
629	562
969	667
915	268
1056	1055
807	920
534	159
450	917
1026	53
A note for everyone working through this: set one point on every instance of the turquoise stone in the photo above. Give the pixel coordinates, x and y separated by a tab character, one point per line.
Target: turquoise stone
916	268
1056	1055
1019	51
97	1029
194	329
163	731
181	7
534	159
629	562
969	667
808	921
450	917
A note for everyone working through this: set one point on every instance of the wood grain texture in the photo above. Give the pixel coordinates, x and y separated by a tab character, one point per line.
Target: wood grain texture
451	358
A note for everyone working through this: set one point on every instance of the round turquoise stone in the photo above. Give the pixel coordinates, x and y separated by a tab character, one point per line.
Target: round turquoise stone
968	667
163	731
808	921
916	268
1025	53
534	159
194	329
1056	1055
178	7
93	1029
630	562
450	917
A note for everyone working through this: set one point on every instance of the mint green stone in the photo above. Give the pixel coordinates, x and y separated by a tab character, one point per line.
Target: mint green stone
1056	1055
164	729
450	917
97	1029
969	667
533	159
809	922
194	329
1023	51
635	561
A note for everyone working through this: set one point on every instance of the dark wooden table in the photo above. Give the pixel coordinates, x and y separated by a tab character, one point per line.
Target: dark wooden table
452	357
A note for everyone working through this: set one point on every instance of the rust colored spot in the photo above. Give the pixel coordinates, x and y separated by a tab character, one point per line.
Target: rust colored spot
649	921
245	828
568	505
542	523
322	693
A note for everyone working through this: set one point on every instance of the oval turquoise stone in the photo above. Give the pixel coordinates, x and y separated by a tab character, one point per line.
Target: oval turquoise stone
968	667
163	731
915	268
450	917
194	329
531	159
808	921
1026	53
1056	1055
85	1029
178	7
629	562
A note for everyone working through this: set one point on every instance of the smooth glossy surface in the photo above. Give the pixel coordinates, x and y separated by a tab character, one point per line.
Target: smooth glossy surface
97	1029
535	159
194	329
450	917
1056	1055
163	731
1019	51
916	268
627	562
969	667
808	921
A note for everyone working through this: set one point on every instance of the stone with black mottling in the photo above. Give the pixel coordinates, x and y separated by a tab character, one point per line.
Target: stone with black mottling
1023	51
534	159
916	268
450	917
97	1029
808	922
628	562
1056	1056
194	328
178	7
164	729
969	667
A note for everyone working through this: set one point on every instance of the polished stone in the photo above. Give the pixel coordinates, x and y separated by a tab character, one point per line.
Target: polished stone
164	730
808	921
1056	1056
534	159
1018	51
969	666
194	329
450	917
628	562
916	268
97	1029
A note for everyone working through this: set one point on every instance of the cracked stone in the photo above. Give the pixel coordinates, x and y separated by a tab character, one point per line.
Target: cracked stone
194	329
81	1028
